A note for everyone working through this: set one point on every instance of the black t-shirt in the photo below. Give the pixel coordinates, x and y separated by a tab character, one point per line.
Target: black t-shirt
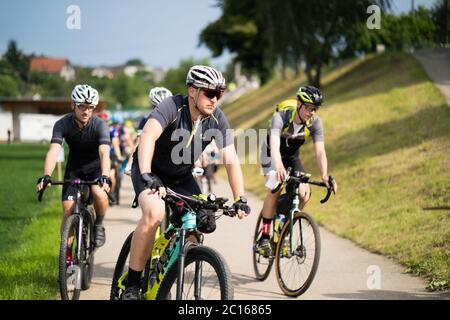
83	144
181	143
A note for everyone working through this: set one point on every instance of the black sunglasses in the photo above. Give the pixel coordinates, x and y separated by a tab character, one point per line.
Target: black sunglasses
210	94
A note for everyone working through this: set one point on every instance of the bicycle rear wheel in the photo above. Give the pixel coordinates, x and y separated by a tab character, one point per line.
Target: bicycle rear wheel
70	265
210	266
261	265
296	267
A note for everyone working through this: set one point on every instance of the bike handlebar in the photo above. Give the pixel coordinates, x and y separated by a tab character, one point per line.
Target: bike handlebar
305	178
75	182
212	203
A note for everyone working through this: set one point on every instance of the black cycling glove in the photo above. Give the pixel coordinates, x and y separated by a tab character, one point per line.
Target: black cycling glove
151	181
46	179
104	179
241	204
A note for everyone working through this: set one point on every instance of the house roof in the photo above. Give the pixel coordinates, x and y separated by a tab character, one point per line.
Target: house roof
49	65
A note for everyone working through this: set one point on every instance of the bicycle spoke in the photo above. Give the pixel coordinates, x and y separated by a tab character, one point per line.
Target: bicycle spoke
296	269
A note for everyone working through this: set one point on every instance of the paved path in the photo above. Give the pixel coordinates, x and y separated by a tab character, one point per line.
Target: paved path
436	63
343	271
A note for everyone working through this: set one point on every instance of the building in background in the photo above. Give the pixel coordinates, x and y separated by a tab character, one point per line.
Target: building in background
53	66
32	120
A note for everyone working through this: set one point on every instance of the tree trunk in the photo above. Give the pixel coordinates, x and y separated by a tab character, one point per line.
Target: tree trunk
283	67
316	82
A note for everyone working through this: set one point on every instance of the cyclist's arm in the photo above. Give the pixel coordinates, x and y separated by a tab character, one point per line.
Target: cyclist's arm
274	140
321	158
151	132
275	153
105	161
51	158
234	172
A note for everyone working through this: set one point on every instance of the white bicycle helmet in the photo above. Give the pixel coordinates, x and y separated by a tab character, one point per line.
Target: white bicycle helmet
83	93
205	77
158	94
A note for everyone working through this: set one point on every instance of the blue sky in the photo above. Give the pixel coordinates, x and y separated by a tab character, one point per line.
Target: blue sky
112	31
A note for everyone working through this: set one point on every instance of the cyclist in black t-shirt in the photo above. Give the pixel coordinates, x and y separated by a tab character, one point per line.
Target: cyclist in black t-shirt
88	139
176	133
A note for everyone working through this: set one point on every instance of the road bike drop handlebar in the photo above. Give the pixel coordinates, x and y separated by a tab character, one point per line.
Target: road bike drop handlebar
211	203
75	182
303	177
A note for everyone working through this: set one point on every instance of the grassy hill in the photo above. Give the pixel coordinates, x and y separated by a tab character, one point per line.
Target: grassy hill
387	135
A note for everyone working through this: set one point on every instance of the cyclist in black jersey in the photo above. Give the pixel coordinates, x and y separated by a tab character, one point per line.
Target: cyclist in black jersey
88	139
176	133
289	130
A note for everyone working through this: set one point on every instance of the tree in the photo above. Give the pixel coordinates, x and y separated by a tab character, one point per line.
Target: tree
262	33
441	18
8	86
122	89
17	60
240	30
135	62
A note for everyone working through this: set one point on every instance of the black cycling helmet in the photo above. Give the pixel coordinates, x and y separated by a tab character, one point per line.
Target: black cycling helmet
310	95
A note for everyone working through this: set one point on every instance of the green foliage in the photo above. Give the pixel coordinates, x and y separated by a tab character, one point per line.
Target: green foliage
135	62
49	85
240	30
19	61
8	86
441	18
292	33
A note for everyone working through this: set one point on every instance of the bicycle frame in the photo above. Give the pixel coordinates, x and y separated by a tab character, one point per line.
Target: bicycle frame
171	246
79	206
295	209
300	177
162	246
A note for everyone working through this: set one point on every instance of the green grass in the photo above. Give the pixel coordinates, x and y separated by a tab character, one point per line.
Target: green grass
387	138
29	243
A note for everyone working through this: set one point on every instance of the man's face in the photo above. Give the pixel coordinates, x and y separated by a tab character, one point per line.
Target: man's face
83	112
306	111
206	100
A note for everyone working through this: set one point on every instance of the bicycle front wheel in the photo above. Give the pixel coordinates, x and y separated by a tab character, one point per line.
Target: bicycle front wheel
262	264
88	244
70	264
296	264
120	268
204	266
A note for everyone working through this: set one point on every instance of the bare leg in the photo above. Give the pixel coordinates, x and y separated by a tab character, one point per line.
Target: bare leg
153	211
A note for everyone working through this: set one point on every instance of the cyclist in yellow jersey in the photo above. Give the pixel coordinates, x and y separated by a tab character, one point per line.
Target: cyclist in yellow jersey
290	128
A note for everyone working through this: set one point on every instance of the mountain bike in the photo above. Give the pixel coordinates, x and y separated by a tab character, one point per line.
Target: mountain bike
77	248
180	266
295	239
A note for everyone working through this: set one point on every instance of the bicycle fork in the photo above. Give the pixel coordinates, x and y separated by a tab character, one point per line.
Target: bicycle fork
295	209
181	262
